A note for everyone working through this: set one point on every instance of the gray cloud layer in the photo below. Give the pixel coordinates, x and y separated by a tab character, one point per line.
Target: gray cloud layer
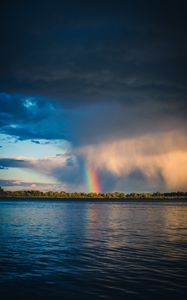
82	53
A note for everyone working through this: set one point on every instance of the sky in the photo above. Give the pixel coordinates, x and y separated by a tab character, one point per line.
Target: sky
93	87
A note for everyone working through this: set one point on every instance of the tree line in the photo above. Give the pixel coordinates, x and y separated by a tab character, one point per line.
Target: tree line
111	195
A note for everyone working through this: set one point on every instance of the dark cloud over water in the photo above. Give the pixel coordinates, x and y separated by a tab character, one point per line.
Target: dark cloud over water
82	52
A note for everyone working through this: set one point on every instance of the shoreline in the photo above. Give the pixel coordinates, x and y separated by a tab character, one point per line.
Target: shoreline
97	199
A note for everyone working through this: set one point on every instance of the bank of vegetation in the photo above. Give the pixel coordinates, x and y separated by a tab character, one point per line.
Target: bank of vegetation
111	195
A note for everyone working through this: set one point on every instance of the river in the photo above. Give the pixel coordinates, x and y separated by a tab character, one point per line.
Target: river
73	249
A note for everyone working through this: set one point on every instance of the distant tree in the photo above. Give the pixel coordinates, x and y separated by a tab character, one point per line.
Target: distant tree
2	192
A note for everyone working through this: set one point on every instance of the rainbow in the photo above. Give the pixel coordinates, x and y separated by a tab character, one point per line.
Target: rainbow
92	180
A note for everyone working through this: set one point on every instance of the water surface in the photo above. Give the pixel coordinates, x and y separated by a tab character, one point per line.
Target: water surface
65	249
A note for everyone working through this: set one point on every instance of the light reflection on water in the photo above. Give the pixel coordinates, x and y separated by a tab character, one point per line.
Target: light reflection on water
93	250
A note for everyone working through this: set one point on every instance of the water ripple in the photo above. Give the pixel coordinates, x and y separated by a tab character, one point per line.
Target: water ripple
80	250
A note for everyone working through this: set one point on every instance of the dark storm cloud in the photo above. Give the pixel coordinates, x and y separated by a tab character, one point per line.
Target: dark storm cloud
109	121
129	53
86	52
